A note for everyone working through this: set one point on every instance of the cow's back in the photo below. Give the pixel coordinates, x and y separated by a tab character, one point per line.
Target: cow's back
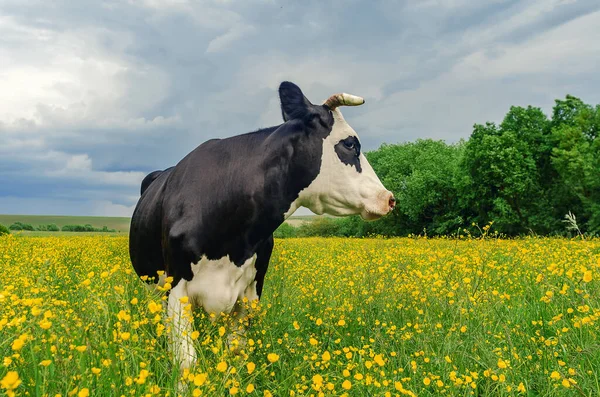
145	234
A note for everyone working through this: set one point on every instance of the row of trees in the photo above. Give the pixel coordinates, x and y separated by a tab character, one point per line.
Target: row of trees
524	175
52	227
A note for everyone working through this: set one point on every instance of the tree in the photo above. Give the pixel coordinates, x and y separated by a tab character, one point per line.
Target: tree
576	158
424	177
506	165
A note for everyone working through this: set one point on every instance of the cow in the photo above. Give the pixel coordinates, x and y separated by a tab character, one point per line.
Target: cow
206	224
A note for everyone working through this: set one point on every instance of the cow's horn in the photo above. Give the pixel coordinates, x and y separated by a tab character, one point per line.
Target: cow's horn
343	100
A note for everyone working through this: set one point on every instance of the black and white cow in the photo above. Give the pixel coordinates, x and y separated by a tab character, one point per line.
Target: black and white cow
208	222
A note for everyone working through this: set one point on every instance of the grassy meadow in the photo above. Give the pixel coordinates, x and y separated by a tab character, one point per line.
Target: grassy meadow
354	317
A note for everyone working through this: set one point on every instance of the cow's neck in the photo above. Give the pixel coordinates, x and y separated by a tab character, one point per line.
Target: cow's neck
290	173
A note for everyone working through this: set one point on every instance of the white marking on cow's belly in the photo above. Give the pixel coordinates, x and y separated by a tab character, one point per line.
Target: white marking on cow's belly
218	284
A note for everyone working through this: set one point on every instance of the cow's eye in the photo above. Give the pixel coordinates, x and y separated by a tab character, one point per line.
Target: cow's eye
349	144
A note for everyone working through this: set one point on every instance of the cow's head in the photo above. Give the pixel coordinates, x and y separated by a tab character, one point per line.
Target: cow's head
345	184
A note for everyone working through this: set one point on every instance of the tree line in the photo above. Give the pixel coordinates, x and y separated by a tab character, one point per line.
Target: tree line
52	227
523	175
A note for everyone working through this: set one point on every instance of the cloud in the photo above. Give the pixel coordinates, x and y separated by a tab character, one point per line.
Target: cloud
97	94
221	42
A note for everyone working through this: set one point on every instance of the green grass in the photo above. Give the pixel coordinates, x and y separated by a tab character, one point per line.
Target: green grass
120	224
363	317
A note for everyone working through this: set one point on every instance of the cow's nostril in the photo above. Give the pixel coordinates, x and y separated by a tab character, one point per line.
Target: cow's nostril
392	202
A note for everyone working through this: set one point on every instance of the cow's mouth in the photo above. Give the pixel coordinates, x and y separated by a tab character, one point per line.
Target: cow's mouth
368	215
372	214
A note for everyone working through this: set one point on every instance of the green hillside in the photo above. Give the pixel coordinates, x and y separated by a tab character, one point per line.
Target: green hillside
120	224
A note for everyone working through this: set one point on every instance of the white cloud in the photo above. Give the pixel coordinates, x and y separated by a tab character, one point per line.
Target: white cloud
221	42
79	162
572	48
481	87
68	78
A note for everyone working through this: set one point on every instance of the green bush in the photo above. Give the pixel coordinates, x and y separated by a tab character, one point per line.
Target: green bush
4	230
285	230
323	227
21	226
48	228
86	228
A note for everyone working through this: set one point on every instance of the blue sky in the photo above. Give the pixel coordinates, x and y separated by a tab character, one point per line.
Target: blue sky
95	94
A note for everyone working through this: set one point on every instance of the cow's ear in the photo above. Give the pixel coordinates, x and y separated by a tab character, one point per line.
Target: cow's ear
294	104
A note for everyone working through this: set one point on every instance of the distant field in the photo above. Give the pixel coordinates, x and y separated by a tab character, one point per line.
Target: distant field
300	219
120	224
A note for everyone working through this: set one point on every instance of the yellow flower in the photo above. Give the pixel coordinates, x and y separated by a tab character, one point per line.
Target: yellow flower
521	388
347	384
10	381
154	308
45	363
379	360
272	357
45	324
267	393
341	323
234	390
296	325
587	277
222	366
566	383
83	392
250	366
81	349
326	356
426	381
18	344
96	371
319	321
502	364
200	379
250	388
313	341
221	331
555	375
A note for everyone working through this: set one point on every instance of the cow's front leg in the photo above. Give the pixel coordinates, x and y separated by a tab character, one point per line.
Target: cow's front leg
236	340
180	312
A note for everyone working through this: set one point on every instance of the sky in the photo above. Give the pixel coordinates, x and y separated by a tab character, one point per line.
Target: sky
96	94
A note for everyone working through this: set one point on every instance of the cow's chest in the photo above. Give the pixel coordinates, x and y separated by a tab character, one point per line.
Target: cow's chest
218	284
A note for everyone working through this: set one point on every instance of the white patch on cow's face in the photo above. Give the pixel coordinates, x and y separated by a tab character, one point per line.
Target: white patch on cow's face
339	188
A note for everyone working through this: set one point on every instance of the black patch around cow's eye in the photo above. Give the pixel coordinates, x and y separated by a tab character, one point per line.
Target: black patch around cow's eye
348	151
